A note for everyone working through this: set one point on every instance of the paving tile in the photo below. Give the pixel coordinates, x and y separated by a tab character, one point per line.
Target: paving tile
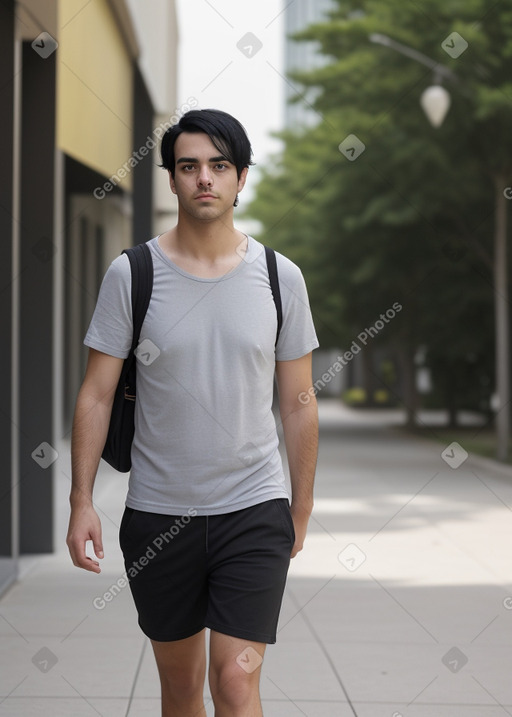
145	707
406	673
52	600
151	707
299	674
282	708
291	626
369	612
87	666
383	709
148	682
63	707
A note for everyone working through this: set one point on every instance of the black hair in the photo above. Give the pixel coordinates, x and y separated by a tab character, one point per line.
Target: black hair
226	133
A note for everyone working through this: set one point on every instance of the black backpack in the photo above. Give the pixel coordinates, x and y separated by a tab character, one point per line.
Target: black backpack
117	450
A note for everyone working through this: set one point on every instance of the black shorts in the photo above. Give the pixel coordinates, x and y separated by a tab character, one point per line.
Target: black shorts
226	572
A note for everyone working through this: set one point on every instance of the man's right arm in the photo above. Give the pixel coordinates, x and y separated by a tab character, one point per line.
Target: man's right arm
90	428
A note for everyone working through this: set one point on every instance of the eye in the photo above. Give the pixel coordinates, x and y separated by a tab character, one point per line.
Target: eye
220	167
188	167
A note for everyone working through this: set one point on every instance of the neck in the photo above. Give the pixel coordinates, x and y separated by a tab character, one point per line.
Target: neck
206	240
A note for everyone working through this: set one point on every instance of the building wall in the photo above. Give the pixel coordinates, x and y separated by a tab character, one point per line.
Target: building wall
8	434
158	43
94	89
37	257
159	51
70	119
302	56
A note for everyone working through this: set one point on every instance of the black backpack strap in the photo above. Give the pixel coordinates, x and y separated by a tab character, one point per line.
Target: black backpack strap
141	264
274	285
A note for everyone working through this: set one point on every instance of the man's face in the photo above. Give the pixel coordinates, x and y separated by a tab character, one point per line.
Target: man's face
205	183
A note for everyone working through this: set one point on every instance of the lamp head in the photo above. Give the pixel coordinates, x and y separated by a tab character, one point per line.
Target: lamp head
435	101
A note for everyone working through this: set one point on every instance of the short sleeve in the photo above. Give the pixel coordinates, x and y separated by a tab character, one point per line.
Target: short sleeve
111	327
298	336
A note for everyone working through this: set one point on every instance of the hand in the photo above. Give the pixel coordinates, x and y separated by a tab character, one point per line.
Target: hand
300	523
84	525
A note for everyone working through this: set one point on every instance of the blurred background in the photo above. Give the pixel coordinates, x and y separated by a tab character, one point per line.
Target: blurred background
381	136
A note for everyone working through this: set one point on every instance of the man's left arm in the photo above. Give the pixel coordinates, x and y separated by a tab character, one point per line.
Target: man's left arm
299	416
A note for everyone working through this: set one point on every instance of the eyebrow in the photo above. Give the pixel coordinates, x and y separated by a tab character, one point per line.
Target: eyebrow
194	160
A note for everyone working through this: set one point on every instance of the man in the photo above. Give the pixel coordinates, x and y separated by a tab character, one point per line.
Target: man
207	500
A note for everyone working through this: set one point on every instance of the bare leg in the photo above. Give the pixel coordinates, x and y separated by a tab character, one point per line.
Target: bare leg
235	668
182	668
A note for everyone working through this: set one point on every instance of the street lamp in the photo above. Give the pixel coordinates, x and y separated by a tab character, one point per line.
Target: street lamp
435	101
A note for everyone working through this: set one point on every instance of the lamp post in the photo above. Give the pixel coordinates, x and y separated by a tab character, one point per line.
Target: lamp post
435	101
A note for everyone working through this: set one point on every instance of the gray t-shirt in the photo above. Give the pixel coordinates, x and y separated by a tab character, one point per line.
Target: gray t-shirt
205	435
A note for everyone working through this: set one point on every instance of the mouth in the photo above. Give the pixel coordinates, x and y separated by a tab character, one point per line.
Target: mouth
206	196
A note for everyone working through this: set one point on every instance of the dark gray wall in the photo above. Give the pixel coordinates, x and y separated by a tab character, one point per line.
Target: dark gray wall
7	565
36	301
143	172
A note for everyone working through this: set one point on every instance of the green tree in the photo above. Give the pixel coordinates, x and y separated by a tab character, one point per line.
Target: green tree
410	218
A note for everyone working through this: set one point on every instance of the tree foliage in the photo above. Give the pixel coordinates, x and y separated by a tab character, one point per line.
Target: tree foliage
411	218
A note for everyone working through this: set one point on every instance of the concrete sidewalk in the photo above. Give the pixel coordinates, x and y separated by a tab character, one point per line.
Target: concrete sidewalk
400	604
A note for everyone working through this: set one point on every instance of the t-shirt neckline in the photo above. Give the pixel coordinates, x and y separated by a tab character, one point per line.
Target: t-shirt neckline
210	280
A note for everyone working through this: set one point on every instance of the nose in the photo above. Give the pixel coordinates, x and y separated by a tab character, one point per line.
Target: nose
204	178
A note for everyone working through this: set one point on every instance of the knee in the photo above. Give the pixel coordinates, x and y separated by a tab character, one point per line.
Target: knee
182	683
234	687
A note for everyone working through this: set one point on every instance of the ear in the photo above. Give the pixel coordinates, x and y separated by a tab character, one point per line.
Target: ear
172	183
243	177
